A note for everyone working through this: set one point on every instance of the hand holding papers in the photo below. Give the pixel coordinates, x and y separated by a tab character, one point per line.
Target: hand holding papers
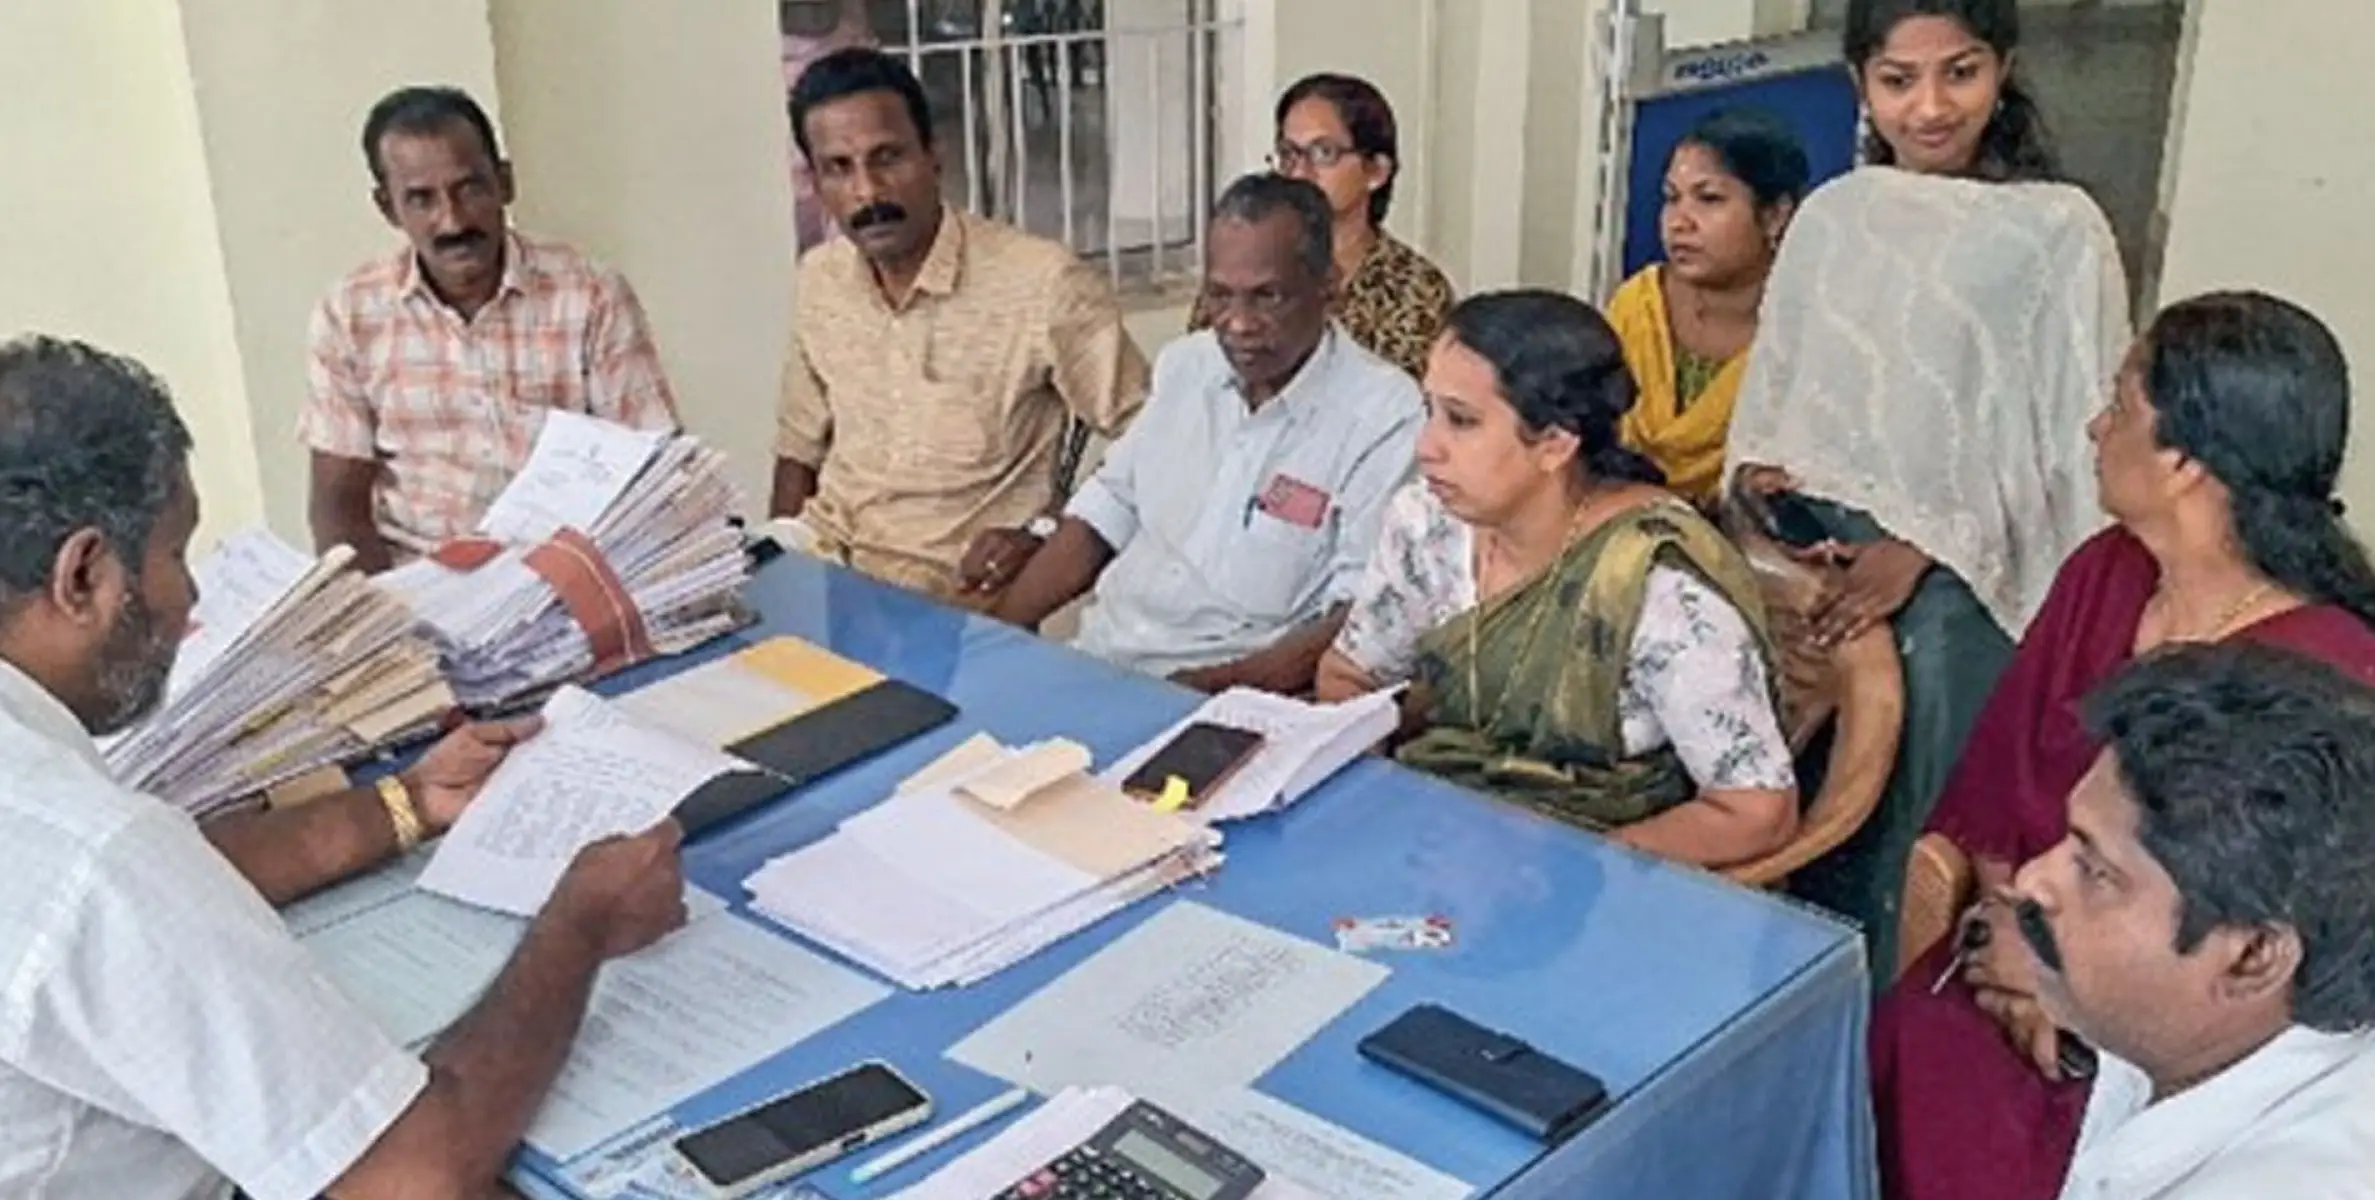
1302	745
593	773
940	885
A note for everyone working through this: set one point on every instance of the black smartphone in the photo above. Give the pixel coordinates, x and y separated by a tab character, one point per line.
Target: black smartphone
1498	1074
799	1132
1204	755
1790	520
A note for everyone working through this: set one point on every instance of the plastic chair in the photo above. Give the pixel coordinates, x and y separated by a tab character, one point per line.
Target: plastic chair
1939	885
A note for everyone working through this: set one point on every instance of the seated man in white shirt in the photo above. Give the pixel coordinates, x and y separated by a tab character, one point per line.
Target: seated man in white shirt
2209	925
1225	530
163	1035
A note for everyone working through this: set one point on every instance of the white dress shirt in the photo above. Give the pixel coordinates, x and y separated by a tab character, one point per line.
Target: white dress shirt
2295	1121
159	1028
1231	526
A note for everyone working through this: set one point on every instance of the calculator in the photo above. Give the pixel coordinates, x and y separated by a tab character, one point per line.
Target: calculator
1143	1154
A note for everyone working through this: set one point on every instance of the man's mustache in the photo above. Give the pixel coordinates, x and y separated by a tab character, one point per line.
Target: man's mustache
880	213
459	241
2030	916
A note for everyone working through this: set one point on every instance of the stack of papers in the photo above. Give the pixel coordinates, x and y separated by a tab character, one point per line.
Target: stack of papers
1302	745
656	507
291	664
594	772
975	865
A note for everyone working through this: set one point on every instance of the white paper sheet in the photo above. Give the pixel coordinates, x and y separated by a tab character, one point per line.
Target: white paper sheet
416	962
579	467
1327	1160
591	774
1187	1006
246	575
713	1000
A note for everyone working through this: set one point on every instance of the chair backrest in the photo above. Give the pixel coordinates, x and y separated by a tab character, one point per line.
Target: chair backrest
1858	687
1939	885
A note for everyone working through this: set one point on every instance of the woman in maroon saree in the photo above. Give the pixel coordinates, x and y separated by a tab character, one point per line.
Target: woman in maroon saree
2218	458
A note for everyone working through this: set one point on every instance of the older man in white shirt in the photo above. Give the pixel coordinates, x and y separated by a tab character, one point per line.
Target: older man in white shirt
1224	532
2209	924
161	1034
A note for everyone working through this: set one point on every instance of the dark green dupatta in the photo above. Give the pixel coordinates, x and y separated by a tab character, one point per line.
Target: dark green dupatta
1525	688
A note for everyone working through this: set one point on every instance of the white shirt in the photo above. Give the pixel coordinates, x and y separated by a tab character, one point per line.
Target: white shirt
1232	526
159	1028
1694	676
2295	1121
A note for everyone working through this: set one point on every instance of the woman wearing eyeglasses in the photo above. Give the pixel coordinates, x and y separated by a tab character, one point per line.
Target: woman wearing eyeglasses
1338	132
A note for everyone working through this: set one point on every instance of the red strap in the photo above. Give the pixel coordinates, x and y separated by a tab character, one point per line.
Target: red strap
595	597
466	554
578	573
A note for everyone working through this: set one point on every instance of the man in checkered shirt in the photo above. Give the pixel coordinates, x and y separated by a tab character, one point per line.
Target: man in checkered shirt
432	367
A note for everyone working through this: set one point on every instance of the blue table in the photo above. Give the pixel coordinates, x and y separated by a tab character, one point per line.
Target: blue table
1730	1024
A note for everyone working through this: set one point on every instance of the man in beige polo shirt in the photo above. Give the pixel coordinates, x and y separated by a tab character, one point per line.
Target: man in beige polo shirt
937	357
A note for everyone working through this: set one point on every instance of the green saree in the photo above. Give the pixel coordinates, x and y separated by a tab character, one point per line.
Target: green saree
1526	687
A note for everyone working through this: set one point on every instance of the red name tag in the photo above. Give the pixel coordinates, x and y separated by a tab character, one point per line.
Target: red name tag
1295	502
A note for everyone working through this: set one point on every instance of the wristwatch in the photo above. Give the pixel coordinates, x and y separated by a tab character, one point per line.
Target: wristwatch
1042	527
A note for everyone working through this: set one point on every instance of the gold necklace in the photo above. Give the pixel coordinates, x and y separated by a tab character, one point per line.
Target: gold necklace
1575	530
2226	618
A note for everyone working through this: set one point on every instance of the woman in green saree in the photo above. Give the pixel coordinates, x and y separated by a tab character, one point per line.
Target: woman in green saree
1582	642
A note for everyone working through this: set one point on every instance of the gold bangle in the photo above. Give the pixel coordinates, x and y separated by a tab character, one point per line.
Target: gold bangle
406	819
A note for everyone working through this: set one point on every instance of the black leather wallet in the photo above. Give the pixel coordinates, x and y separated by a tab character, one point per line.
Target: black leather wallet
1497	1073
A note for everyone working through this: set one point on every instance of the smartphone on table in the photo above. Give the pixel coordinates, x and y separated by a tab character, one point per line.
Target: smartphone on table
800	1131
1204	756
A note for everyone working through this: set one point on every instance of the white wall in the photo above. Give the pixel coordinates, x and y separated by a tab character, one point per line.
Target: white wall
652	135
109	235
2271	171
281	119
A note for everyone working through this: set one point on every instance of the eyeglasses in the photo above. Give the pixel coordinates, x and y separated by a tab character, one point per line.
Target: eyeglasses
1287	156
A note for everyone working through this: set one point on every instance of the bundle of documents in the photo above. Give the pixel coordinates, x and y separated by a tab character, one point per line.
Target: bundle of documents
1302	745
291	664
978	862
646	511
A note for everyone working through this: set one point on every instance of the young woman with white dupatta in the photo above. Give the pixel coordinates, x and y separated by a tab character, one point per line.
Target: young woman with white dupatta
1936	332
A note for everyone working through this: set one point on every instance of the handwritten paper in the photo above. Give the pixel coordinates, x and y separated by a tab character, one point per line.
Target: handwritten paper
710	1002
1186	1007
1327	1160
579	467
593	773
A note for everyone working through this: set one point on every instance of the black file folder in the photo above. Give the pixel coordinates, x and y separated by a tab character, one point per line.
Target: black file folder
813	745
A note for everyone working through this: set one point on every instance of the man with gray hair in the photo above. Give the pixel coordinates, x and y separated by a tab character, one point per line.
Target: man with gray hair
164	1036
1225	531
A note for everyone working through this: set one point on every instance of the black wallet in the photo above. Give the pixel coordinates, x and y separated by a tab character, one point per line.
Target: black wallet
1495	1072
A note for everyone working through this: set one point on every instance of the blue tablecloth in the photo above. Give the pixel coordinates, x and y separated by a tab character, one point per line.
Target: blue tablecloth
1729	1024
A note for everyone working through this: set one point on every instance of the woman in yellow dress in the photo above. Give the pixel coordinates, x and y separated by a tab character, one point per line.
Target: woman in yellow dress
1732	184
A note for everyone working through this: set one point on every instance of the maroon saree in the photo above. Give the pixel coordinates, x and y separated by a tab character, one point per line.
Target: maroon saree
1962	1115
